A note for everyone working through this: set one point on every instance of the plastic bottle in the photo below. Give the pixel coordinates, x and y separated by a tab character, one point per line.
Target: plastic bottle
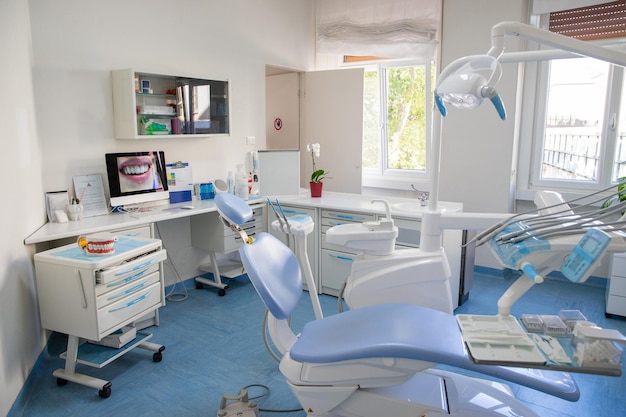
230	182
241	183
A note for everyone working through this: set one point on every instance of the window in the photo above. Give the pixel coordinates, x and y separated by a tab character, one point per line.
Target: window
579	137
579	115
396	123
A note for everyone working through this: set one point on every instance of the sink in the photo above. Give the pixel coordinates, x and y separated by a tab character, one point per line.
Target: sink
412	207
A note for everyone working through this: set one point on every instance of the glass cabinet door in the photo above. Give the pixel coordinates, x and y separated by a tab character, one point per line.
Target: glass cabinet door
146	105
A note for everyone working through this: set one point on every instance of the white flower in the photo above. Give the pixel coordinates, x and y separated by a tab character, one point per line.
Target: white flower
314	149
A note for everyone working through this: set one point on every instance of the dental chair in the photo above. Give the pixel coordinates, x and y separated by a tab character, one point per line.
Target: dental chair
376	360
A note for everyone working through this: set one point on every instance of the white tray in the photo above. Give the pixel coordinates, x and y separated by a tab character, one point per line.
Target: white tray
498	339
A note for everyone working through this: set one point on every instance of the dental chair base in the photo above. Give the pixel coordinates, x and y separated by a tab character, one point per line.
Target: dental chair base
409	276
429	393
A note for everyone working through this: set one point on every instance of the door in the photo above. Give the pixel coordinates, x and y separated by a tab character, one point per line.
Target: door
333	117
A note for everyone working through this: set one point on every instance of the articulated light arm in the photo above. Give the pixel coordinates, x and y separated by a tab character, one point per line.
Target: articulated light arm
544	37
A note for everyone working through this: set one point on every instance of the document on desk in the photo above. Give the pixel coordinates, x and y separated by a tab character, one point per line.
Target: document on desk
89	190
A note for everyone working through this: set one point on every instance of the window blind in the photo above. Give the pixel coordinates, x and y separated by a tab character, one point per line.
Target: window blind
600	21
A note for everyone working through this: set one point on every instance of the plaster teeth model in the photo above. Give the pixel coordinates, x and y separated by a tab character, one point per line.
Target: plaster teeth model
98	244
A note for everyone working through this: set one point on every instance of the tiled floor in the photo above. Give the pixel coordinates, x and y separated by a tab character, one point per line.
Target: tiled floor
214	346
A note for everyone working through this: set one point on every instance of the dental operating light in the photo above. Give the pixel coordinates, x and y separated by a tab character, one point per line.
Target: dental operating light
467	81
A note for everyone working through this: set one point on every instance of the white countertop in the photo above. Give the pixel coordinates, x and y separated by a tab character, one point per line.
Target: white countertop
400	207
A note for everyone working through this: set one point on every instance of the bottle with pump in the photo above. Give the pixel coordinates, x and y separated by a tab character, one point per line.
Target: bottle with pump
230	182
241	183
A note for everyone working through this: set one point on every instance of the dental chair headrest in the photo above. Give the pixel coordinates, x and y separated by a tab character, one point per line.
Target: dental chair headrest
233	209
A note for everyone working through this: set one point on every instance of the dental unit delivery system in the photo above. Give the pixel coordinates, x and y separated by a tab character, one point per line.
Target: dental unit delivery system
376	360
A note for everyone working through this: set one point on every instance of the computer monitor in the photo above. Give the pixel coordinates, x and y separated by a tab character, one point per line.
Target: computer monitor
136	178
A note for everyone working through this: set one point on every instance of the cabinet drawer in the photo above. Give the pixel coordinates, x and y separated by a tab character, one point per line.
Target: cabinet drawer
141	231
130	268
335	218
617	286
127	280
130	287
336	267
618	265
114	315
616	305
232	242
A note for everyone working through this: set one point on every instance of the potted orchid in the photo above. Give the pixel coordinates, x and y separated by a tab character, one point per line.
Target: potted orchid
318	174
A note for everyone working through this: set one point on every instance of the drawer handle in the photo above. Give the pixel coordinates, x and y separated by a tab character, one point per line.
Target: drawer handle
82	287
340	257
135	268
126	280
128	291
131	303
347	216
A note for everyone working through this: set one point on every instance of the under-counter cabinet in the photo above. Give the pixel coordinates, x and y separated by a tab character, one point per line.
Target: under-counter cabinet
146	105
616	287
210	233
91	297
336	261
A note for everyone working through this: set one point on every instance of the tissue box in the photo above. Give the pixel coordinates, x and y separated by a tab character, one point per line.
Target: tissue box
598	348
118	338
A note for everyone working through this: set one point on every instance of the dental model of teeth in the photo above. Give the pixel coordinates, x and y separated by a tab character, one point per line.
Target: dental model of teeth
102	244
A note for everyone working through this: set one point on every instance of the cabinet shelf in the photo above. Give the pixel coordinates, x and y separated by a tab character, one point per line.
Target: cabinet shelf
201	106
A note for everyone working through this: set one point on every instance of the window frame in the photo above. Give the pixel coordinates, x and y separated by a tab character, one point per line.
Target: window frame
532	125
399	179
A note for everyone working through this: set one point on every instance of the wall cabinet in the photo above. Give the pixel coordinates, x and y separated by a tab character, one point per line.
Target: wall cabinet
616	287
146	105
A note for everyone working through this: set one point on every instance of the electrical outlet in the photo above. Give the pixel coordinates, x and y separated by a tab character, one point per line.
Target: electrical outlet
250	140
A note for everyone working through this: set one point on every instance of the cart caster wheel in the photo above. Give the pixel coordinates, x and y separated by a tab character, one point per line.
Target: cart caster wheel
221	292
199	286
157	357
608	315
105	392
61	382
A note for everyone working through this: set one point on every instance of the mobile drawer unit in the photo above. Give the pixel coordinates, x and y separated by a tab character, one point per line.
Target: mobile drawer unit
91	297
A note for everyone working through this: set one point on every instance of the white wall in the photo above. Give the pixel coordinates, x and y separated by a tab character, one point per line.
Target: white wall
58	116
21	338
479	151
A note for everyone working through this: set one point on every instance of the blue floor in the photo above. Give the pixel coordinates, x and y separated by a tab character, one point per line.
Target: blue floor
214	346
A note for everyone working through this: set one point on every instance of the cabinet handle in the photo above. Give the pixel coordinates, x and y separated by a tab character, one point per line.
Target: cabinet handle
135	268
82	287
341	257
131	303
128	291
347	216
126	280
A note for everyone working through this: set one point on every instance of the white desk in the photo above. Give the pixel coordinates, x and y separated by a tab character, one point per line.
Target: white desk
55	231
54	234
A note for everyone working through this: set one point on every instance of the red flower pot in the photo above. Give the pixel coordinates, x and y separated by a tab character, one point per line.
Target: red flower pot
316	189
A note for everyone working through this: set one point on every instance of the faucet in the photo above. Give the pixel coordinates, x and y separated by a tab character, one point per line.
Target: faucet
422	196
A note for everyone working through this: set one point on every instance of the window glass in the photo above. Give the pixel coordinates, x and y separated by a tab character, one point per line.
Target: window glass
395	113
574	119
406	120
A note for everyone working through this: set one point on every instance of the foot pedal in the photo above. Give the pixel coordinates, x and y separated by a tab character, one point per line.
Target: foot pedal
240	406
